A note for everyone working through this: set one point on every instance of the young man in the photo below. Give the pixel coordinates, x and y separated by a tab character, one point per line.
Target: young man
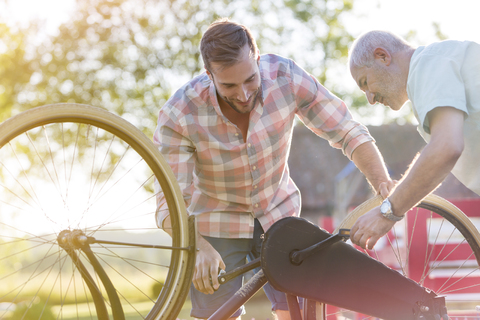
442	80
227	134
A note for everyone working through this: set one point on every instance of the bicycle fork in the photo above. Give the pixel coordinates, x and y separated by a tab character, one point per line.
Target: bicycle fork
76	239
72	240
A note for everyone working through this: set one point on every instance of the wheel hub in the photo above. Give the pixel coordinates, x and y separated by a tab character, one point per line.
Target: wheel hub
72	239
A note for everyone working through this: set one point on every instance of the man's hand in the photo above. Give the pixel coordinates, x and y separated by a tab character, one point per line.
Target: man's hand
372	226
207	263
369	228
385	188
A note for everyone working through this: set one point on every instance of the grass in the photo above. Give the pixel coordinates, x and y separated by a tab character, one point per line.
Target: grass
258	308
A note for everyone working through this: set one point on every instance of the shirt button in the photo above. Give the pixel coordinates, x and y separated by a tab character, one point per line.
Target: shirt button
256	205
255	187
236	134
249	145
254	167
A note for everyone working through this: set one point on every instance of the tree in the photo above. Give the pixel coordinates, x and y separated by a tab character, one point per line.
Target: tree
15	69
128	56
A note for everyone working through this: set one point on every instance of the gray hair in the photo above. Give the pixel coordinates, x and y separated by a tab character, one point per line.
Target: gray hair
361	52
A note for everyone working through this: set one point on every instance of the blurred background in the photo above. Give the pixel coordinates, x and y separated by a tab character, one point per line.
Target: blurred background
129	56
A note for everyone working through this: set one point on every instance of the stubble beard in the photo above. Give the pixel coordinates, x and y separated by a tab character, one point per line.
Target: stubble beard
391	96
250	107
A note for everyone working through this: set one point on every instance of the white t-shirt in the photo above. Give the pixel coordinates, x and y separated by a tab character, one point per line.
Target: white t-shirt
447	73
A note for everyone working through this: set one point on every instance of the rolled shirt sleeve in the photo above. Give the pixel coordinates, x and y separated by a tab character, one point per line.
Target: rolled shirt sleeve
325	114
179	153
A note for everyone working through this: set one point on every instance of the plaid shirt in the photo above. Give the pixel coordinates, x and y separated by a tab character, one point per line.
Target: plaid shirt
226	182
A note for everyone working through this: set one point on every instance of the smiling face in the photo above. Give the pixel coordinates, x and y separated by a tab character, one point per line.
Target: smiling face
238	85
381	85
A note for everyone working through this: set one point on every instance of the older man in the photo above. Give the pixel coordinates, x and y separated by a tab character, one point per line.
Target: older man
442	80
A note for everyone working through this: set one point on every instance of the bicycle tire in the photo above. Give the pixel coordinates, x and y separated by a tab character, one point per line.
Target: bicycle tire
451	257
104	143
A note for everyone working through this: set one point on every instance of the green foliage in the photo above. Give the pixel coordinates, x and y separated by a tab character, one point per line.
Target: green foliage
156	289
15	68
10	250
36	310
438	32
328	38
128	56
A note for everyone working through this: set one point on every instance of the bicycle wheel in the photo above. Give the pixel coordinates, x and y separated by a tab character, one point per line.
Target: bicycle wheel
70	168
437	246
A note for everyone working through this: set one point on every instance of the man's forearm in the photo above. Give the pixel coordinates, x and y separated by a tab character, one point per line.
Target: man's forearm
370	162
425	175
435	162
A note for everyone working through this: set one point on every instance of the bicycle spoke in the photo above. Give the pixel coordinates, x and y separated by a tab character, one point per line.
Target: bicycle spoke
53	163
439	249
433	267
74	155
128	260
99	192
410	240
18	183
115	212
107	152
69	171
128	280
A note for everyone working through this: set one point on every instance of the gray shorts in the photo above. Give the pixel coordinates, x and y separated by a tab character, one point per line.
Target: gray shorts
234	253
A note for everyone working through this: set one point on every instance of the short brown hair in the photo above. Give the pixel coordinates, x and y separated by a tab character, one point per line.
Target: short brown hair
223	41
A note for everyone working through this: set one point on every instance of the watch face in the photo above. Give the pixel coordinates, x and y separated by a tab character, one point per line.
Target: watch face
384	208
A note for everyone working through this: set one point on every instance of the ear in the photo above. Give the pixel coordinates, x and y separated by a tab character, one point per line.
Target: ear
208	74
382	55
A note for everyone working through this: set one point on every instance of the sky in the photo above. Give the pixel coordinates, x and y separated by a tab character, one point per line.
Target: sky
457	19
54	12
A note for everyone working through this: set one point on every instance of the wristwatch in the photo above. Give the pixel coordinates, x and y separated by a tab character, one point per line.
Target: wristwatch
386	210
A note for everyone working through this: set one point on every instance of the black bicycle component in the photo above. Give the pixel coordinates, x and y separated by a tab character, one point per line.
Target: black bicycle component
373	288
432	309
297	256
227	276
240	297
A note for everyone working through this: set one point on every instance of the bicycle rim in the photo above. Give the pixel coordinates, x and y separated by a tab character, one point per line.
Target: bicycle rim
70	167
437	246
